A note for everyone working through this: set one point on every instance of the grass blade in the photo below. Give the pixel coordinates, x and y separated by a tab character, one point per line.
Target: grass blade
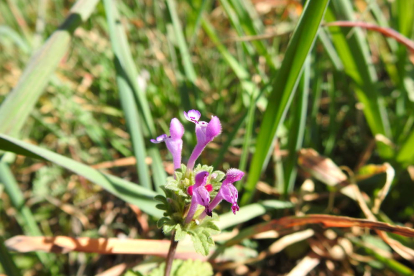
297	130
283	88
251	26
127	191
126	90
189	70
25	216
6	261
20	102
251	211
182	45
358	65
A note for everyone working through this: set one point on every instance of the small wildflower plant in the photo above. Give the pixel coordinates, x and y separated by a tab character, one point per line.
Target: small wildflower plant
193	192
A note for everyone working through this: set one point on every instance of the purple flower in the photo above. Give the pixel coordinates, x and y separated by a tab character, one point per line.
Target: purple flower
174	142
192	115
200	196
205	133
227	191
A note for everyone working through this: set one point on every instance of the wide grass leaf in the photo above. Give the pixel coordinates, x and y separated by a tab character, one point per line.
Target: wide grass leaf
284	86
128	191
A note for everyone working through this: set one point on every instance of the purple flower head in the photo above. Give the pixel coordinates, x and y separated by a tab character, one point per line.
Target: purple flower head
174	142
205	133
233	175
192	115
160	139
200	196
227	191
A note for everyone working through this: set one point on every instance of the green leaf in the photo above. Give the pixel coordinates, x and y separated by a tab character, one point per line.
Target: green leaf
354	53
128	191
251	211
20	102
284	86
7	261
185	268
194	267
297	130
125	80
179	233
200	243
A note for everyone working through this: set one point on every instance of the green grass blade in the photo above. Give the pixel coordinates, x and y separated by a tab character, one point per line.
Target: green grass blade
330	50
197	24
126	90
296	130
394	265
404	18
6	261
182	44
251	25
247	137
189	70
405	154
237	25
251	211
248	86
127	191
25	216
355	56
283	88
20	102
224	148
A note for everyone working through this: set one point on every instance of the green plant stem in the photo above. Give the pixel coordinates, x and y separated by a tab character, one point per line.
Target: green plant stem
171	254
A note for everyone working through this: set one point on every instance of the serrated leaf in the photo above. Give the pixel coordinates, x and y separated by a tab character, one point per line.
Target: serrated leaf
205	242
162	221
167	228
194	267
179	233
211	226
161	198
178	175
199	246
219	176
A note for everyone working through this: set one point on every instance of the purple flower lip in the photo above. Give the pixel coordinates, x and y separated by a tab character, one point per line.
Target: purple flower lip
174	142
227	192
205	133
200	196
160	139
192	115
233	175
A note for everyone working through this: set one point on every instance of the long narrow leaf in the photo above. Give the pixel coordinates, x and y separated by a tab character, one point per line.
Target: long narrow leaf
355	56
6	261
24	215
20	102
130	192
283	88
297	130
126	91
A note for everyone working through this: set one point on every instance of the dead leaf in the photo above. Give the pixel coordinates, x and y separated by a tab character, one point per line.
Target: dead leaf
305	265
320	167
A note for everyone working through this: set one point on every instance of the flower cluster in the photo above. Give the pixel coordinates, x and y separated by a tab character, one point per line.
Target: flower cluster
194	191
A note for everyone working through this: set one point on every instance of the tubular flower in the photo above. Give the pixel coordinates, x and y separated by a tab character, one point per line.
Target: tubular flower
200	196
174	142
192	115
191	185
227	191
205	133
